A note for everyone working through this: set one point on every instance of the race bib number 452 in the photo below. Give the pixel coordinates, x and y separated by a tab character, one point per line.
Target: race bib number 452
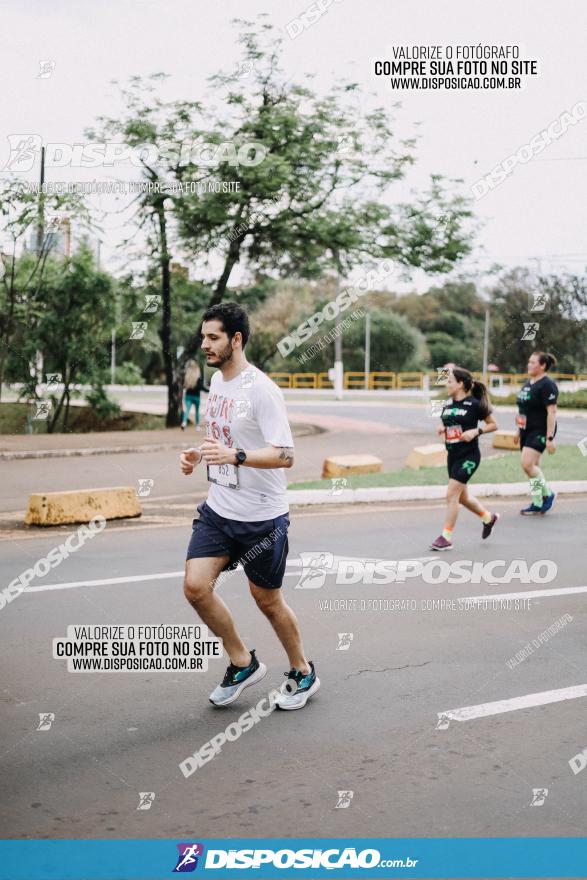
223	475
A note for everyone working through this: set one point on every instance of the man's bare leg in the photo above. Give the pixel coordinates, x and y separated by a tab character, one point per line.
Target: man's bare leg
284	622
198	586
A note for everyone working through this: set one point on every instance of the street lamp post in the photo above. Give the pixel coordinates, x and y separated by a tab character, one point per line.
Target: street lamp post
367	349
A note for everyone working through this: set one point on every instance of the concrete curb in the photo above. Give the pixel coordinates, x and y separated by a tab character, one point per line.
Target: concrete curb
85	450
423	493
302	429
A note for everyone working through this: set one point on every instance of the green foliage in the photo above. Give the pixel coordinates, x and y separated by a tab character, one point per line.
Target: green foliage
562	328
128	374
445	349
103	405
452	317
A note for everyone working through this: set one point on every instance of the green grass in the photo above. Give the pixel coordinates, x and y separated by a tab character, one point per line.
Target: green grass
13	420
566	464
566	400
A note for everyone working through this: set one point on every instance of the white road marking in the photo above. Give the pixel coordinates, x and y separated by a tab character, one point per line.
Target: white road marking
166	575
529	594
104	581
466	713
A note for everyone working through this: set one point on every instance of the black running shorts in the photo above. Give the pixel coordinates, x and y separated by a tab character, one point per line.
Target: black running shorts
534	439
260	547
462	467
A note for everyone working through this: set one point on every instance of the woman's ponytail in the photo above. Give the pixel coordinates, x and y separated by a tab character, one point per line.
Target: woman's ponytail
479	391
546	359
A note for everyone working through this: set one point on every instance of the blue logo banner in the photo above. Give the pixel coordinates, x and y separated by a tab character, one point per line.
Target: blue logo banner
384	858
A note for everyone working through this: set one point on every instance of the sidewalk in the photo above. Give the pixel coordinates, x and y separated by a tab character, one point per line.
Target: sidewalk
51	463
18	446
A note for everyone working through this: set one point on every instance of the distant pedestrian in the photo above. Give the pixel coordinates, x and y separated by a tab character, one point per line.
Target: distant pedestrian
193	385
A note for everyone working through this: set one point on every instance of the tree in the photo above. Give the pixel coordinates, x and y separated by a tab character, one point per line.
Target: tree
560	327
24	212
74	311
316	201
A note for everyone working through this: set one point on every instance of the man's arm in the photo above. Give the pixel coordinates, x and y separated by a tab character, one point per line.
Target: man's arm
268	457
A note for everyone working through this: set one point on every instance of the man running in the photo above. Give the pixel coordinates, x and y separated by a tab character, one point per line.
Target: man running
536	421
245	516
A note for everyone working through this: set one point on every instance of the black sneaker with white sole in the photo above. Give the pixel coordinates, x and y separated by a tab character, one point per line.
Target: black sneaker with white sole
236	679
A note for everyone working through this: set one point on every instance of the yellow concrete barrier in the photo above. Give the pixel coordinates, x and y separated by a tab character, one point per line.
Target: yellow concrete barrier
504	440
344	465
431	455
81	505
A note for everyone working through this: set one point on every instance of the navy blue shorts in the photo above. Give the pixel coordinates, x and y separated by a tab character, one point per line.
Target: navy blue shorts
260	547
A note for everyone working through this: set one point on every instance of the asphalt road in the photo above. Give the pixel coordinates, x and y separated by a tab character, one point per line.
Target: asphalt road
361	428
415	416
372	730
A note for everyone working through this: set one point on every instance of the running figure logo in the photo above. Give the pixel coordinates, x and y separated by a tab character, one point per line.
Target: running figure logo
468	466
443	722
145	486
46	719
46	68
530	331
53	380
442	377
188	857
243	409
43	408
315	567
344	800
538	301
23	151
138	329
152	302
146	799
344	641
247	378
539	795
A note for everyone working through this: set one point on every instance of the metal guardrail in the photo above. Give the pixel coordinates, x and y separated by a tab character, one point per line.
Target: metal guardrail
387	380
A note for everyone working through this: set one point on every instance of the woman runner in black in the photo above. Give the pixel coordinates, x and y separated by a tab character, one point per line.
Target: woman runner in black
536	421
467	405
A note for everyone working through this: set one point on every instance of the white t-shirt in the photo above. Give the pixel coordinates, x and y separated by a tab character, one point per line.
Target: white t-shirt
248	412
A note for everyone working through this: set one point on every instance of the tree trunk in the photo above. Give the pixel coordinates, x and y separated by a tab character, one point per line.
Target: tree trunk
51	423
174	395
66	415
232	257
2	362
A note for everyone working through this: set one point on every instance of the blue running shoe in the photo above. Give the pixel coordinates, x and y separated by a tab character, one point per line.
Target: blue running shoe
298	689
547	503
236	679
531	510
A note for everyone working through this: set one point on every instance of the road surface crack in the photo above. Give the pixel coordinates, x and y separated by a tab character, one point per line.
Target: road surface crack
389	668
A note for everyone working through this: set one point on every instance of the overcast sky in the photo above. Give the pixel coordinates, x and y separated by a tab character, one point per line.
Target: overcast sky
538	212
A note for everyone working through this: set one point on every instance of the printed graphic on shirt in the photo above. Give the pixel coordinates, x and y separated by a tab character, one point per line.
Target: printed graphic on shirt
247	412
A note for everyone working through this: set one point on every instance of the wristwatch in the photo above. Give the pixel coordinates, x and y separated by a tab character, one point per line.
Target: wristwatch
480	431
551	437
241	457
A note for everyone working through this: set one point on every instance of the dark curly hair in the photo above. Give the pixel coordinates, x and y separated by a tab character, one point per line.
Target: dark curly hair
233	318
